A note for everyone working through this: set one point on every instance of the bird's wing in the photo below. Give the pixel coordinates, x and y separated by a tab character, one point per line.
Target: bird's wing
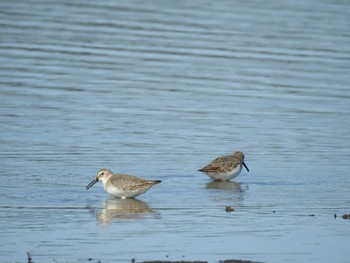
221	164
131	183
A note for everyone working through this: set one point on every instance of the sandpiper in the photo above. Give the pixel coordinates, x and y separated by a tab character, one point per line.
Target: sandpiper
122	185
225	168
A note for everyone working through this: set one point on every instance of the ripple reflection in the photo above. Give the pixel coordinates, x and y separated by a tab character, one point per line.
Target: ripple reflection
122	209
228	186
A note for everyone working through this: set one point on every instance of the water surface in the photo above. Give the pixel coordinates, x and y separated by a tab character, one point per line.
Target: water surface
158	89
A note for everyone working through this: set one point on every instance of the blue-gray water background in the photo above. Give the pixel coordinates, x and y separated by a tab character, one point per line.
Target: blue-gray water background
158	89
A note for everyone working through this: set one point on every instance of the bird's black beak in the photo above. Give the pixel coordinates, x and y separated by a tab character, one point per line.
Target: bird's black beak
91	183
245	166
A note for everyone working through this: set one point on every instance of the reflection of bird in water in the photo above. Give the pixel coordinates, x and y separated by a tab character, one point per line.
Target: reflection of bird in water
228	191
231	186
121	209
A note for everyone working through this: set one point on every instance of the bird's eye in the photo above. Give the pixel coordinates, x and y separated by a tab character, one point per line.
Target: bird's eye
102	173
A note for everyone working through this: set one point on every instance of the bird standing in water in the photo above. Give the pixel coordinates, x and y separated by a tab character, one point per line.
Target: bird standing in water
122	185
225	168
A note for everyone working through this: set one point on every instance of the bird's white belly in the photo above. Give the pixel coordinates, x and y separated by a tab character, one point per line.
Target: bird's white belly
227	175
123	194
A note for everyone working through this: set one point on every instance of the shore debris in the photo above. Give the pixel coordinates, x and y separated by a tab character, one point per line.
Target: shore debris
229	209
346	216
29	258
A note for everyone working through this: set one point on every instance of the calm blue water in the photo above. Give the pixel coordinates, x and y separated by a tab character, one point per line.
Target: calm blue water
158	89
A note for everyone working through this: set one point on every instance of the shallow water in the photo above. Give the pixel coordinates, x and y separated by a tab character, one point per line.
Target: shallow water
158	89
